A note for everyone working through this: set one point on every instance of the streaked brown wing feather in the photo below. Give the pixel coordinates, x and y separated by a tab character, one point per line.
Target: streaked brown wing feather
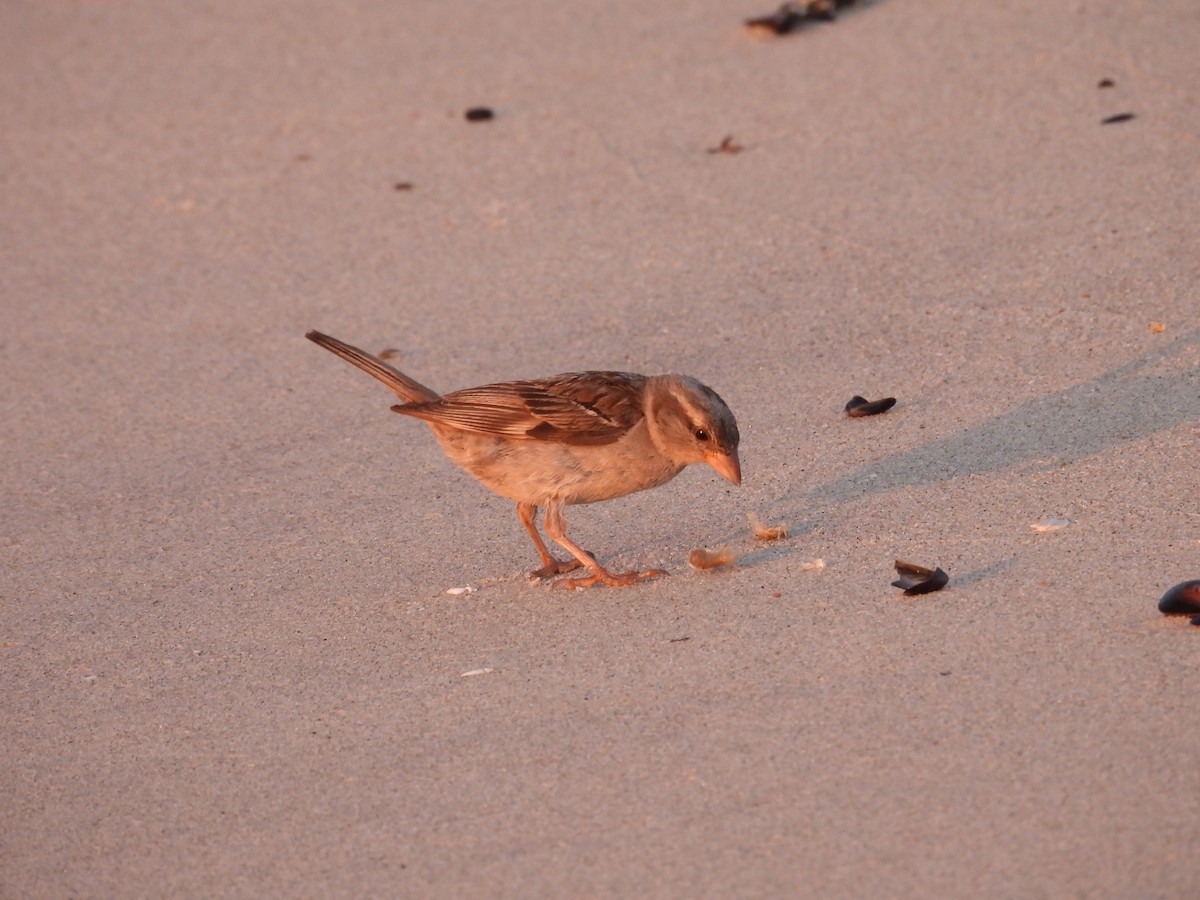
575	408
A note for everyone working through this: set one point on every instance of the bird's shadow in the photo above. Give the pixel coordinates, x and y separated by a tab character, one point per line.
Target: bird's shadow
1116	408
1121	406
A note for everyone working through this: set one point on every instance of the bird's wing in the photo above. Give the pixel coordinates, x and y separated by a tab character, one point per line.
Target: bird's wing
576	408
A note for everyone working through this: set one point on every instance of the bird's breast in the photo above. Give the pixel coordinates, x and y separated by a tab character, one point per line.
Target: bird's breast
532	471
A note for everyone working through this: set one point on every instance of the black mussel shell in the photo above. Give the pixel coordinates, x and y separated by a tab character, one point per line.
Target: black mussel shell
1181	600
916	579
860	406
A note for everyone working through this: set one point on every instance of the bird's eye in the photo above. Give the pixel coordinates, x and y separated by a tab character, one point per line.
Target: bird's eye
700	435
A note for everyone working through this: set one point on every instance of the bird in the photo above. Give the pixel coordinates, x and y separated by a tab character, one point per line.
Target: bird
574	438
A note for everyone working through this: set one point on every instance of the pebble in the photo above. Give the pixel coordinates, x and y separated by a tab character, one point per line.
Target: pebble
1050	523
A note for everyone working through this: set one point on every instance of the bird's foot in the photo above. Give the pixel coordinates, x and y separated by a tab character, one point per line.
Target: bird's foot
556	567
604	577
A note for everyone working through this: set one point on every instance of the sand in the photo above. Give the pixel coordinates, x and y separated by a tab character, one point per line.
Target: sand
231	666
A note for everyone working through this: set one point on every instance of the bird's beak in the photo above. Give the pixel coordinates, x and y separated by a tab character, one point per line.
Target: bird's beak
727	466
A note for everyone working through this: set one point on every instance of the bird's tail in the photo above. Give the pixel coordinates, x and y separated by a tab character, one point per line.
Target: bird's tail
404	387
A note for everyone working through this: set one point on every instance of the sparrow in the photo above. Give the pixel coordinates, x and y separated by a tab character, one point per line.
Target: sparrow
579	437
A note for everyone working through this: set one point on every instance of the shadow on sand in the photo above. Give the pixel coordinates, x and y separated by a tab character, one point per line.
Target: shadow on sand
1115	408
1122	405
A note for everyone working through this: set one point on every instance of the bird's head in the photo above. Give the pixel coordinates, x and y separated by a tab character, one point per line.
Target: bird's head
690	423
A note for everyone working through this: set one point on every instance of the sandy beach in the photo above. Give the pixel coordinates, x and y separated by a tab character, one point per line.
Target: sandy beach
231	664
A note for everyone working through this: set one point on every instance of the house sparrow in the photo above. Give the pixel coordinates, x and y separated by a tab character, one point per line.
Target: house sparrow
580	437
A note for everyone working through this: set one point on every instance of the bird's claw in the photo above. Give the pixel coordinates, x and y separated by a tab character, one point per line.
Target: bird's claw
558	567
608	578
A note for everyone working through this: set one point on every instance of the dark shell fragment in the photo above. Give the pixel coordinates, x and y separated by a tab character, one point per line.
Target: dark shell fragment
916	579
727	145
1181	600
791	16
783	20
1119	117
860	406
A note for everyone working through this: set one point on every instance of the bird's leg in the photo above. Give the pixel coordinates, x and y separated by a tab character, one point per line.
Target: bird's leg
556	527
527	513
